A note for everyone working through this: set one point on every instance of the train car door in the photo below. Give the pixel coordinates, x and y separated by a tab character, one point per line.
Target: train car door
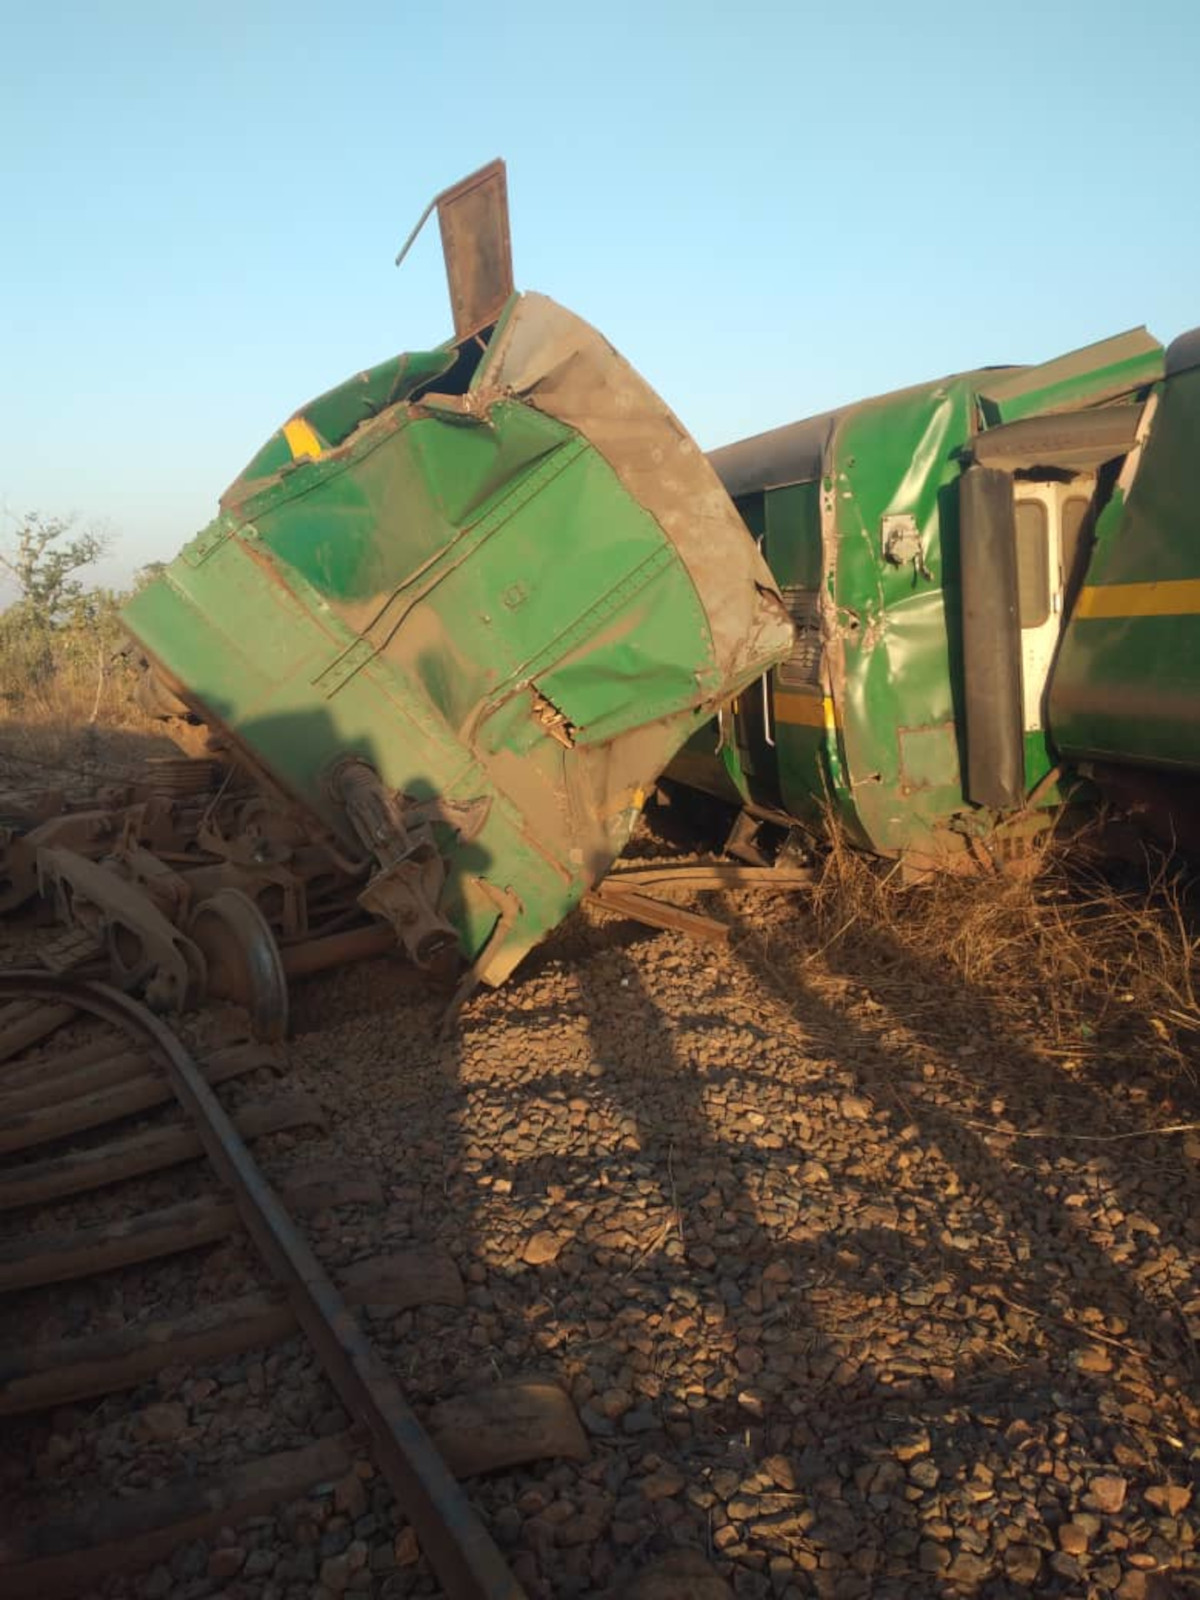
1050	517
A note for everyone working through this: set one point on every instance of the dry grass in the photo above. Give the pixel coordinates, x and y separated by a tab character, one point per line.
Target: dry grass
68	714
1069	952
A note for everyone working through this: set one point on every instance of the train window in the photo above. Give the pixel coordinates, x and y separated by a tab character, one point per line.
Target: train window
753	511
794	534
1033	563
1074	513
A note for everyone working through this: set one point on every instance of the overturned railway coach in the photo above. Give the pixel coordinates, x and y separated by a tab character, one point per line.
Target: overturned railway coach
995	582
448	627
455	617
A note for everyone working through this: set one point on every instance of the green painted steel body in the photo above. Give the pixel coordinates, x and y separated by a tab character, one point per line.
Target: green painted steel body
1088	377
1126	686
459	567
858	513
870	727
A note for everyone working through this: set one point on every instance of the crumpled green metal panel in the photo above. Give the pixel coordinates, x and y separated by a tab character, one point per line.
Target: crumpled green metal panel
502	574
891	654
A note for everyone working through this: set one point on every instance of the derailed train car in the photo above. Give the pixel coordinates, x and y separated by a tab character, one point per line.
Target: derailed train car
995	582
448	627
458	614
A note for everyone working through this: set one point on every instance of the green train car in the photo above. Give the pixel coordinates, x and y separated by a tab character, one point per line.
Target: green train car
458	613
995	583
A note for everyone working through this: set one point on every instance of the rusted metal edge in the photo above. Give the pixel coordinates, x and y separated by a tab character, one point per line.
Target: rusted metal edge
462	1552
620	902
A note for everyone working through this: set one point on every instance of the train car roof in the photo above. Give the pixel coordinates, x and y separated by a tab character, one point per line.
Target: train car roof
1183	352
791	454
796	452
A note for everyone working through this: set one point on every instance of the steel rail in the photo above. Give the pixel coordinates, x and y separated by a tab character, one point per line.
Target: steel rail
463	1554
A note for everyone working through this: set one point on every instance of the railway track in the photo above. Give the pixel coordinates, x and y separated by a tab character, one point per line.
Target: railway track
103	1110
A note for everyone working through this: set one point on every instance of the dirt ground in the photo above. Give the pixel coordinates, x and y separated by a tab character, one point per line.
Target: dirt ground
854	1306
859	1290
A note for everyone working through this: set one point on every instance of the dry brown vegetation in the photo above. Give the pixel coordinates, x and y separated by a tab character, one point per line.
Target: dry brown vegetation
65	711
65	687
1075	953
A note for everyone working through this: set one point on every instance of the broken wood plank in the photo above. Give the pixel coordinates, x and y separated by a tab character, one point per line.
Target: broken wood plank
657	913
63	1556
39	1069
39	1259
31	1028
28	1129
76	1171
46	1375
710	875
120	1067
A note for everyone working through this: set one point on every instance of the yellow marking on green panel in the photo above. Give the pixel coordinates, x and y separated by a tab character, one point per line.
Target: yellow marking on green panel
301	440
804	710
1179	597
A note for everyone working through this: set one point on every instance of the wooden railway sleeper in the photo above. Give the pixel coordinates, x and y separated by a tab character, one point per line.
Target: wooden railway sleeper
101	1363
27	1129
36	1259
463	1554
136	1154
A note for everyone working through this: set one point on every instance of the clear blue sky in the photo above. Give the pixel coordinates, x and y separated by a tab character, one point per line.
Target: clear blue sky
768	208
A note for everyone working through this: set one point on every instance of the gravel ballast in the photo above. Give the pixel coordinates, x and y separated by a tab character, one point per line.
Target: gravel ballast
854	1298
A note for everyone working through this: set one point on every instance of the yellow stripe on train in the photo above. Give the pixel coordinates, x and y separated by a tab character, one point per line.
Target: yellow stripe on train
804	710
1178	598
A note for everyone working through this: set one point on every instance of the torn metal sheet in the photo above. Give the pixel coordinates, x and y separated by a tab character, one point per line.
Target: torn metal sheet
473	220
501	576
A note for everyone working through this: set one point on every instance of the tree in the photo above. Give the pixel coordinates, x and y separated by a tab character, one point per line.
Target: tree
147	575
43	562
56	619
